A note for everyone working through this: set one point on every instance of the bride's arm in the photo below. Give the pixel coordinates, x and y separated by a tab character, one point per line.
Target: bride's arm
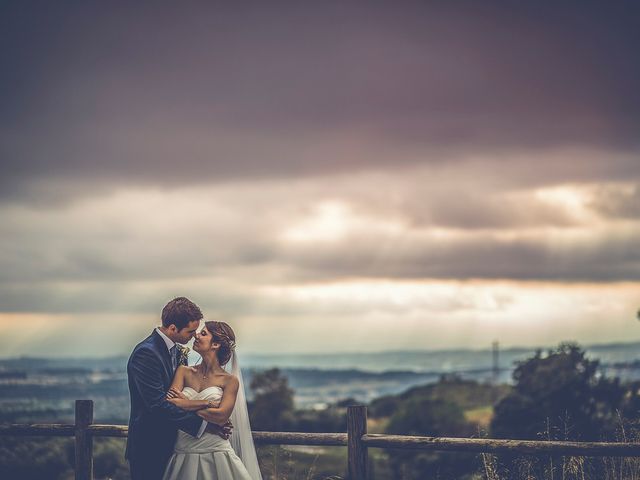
178	379
175	395
189	405
220	415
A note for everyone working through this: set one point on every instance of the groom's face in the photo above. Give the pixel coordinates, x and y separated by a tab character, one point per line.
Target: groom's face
187	333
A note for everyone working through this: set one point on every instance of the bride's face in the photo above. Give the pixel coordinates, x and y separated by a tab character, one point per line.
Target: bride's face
204	341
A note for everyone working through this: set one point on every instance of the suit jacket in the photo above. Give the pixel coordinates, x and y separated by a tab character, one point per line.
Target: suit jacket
154	422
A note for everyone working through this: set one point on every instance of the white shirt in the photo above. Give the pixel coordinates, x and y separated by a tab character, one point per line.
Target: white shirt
170	344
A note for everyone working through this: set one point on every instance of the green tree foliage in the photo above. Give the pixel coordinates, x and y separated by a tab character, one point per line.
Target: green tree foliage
384	406
272	408
559	396
331	419
426	416
423	415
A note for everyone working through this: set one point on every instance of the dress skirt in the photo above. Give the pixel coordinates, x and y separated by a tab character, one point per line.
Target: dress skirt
206	458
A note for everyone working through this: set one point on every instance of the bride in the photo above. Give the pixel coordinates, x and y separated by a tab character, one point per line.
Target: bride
217	396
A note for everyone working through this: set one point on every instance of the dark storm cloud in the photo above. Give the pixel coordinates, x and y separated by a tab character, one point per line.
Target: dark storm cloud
370	226
475	210
101	93
432	127
480	257
364	254
114	297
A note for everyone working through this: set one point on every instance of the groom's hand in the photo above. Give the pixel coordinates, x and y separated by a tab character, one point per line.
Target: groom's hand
223	431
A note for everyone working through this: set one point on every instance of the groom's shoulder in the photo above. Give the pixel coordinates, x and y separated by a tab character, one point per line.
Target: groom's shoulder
147	342
145	345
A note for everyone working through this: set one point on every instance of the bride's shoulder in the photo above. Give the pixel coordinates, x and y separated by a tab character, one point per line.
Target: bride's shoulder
186	369
230	380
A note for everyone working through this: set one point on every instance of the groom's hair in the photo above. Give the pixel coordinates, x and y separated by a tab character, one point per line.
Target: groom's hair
179	312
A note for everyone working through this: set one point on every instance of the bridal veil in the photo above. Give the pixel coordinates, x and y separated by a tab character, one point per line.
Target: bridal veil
241	438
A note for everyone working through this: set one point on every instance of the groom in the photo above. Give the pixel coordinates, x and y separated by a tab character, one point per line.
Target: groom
154	422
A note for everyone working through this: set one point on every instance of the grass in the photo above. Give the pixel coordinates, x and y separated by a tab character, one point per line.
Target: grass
570	467
480	416
302	463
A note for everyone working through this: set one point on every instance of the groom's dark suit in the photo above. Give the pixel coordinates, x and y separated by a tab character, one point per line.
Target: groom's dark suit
154	422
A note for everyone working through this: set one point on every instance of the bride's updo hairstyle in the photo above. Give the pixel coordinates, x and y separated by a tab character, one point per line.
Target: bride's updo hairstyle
223	334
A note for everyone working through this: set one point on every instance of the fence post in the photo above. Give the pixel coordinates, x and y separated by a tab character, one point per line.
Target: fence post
356	450
84	440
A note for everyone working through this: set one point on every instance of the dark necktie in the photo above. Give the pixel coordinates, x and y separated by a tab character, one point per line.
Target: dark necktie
174	357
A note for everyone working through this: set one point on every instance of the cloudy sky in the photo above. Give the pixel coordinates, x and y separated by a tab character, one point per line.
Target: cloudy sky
330	176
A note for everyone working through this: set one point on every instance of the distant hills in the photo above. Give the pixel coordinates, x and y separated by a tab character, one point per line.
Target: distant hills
39	388
417	361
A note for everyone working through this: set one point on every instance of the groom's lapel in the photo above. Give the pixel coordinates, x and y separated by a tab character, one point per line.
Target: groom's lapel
161	347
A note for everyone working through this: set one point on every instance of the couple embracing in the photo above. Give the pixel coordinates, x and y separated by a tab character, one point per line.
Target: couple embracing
188	422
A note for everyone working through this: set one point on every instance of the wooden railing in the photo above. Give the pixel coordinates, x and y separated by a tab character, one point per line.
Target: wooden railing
357	441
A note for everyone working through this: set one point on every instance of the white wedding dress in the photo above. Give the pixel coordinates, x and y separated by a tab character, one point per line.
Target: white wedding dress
206	458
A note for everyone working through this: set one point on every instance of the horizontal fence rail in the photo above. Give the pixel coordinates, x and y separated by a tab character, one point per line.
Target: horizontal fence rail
38	430
357	441
298	438
486	445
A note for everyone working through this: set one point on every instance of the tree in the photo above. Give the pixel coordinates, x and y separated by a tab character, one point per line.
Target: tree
559	396
426	416
272	406
384	406
421	415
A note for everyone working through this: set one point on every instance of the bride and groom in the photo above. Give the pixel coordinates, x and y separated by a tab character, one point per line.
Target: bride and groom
188	422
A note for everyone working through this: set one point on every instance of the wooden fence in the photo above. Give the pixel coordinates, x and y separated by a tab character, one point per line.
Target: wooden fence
357	441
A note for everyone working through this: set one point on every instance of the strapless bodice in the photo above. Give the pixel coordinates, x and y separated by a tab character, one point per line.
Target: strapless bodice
213	393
